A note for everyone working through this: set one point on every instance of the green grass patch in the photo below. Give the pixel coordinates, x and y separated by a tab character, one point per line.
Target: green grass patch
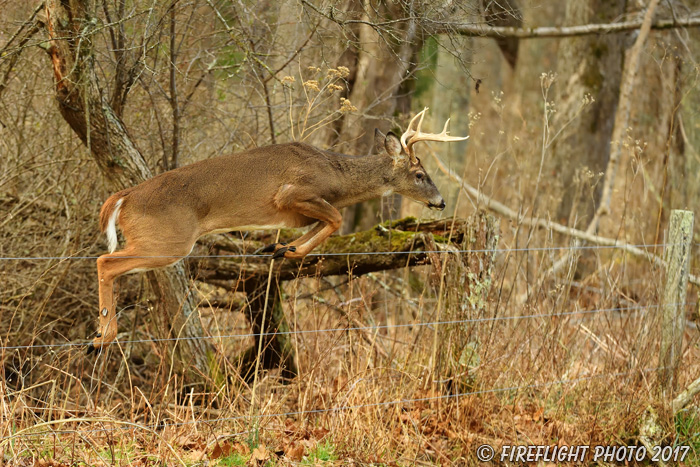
233	460
688	430
323	452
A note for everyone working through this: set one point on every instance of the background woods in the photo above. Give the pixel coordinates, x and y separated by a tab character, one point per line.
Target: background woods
530	314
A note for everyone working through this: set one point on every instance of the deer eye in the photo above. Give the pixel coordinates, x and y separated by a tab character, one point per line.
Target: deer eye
420	175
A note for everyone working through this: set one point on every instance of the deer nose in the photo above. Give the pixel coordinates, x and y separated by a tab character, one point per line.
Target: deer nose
440	206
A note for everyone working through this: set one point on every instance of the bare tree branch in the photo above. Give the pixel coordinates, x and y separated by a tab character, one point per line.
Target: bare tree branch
174	102
508	15
30	21
686	396
83	107
478	30
24	36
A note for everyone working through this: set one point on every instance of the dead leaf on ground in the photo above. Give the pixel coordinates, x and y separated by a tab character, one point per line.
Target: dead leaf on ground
259	455
221	450
190	442
241	448
295	451
196	455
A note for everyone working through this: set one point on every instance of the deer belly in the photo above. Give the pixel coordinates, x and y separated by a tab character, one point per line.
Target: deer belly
286	220
248	228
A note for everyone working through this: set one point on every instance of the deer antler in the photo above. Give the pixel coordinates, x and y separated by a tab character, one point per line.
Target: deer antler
412	135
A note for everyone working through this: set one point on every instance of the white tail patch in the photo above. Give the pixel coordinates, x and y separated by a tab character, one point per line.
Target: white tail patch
111	231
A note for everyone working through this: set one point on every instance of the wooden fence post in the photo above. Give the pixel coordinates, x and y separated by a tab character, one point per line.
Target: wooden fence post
677	259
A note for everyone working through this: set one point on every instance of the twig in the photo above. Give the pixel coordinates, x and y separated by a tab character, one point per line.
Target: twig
99	420
174	104
686	396
362	327
36	25
30	21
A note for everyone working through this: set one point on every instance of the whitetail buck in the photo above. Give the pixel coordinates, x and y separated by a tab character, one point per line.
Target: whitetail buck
285	185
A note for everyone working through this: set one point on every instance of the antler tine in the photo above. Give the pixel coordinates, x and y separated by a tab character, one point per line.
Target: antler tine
420	122
443	136
412	135
447	137
444	129
410	132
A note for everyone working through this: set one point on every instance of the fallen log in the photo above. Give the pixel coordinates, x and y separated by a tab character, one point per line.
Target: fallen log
390	245
230	263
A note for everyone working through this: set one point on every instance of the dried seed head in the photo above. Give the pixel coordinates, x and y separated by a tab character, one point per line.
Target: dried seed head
346	106
312	84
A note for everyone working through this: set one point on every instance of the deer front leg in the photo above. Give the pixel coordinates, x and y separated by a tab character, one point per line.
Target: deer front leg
271	247
304	201
311	239
279	249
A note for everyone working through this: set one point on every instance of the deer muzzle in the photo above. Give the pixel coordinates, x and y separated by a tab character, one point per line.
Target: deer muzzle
438	206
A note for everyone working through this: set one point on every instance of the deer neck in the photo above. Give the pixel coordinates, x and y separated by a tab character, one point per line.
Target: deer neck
363	179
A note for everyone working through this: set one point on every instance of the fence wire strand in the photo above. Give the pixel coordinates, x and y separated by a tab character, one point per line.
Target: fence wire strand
644	246
633	309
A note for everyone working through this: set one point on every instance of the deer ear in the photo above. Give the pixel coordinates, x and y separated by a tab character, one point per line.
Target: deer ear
378	141
392	144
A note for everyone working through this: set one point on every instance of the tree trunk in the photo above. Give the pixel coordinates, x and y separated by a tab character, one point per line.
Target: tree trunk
71	25
467	270
348	254
467	278
662	97
277	347
586	65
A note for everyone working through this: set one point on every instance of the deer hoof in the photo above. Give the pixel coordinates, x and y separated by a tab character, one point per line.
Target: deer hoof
91	347
270	248
281	251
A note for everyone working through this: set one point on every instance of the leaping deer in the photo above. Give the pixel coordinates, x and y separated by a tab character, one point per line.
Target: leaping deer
285	185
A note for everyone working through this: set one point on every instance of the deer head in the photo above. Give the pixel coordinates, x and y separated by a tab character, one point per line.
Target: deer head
410	178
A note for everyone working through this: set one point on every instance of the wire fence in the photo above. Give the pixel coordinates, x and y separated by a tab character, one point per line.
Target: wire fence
621	245
356	328
632	309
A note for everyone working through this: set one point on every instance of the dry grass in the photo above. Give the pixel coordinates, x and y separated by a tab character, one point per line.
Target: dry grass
568	379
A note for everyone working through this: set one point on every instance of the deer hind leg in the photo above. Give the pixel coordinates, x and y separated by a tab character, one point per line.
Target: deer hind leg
113	265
